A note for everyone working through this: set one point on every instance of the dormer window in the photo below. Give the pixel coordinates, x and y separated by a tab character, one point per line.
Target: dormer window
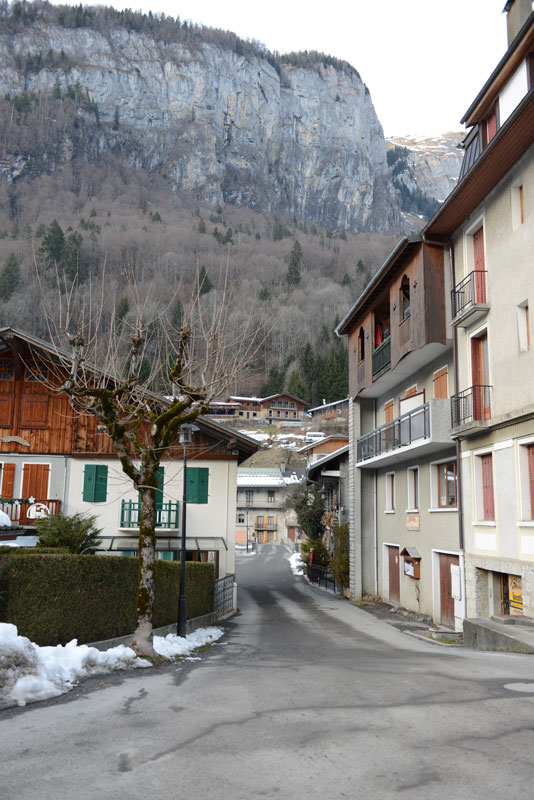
404	298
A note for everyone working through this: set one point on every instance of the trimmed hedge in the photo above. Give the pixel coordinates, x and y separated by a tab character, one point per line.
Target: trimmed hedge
55	598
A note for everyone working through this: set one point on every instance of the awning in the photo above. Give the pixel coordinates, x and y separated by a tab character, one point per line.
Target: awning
200	543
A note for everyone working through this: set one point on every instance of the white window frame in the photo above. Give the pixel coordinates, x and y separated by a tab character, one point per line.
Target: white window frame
391	498
434	502
469	245
526	514
413	502
478	491
523	333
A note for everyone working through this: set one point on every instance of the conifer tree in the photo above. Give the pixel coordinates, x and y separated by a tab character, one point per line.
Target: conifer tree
295	260
204	283
53	243
9	277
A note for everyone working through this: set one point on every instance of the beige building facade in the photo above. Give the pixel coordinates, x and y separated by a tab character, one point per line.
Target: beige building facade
487	223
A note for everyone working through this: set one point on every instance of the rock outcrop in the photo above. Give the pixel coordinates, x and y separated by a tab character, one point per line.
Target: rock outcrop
220	125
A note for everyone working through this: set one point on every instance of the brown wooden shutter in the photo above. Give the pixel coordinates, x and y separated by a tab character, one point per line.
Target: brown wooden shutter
491	123
6	410
411	391
487	486
388	411
34	411
35	481
440	383
478	244
8	481
531	478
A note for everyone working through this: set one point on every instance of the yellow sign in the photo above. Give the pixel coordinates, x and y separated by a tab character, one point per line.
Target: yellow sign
515	590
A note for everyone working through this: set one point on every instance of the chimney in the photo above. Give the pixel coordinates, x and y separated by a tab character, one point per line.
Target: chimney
517	13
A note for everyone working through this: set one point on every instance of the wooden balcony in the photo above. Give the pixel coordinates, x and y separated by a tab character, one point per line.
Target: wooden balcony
24	511
166	517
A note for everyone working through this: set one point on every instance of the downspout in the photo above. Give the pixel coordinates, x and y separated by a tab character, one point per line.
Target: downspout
375	507
456	391
65	469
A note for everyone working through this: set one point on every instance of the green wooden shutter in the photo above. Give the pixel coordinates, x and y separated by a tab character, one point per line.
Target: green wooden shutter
101	484
197	484
95	483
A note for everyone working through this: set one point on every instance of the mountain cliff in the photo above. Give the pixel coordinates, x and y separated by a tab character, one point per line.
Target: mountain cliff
221	121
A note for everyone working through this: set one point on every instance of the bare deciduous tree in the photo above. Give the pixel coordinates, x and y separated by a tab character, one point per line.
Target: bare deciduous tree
142	380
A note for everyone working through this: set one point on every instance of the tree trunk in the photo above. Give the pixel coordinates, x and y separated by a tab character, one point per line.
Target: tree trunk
142	641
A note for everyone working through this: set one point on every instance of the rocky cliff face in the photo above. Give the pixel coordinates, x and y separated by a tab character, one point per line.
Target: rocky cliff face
432	163
219	125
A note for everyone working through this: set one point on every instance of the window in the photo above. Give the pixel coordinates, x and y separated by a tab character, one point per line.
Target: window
270	496
491	126
292	405
441	383
95	483
488	505
480	376
530	451
240	519
446	478
361	345
404	298
526	479
413	489
259	522
518	205
197	484
270	520
390	491
523	326
294	415
249	497
35	480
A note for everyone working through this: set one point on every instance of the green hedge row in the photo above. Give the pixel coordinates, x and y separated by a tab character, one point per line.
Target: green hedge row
55	598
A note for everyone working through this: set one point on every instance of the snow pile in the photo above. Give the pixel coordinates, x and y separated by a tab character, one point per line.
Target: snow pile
297	564
29	672
172	646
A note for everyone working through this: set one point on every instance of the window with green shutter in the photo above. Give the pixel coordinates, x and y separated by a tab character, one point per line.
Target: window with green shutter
95	483
197	484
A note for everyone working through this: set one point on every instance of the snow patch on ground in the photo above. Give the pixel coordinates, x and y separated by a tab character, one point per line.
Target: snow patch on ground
297	564
29	673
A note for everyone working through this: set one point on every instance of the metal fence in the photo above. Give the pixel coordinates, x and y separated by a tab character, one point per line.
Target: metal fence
167	516
382	356
224	596
471	404
321	576
400	432
469	292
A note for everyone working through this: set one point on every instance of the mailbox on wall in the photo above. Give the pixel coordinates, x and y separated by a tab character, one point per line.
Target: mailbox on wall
412	562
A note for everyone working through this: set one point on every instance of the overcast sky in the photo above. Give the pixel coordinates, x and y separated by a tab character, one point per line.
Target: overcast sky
424	61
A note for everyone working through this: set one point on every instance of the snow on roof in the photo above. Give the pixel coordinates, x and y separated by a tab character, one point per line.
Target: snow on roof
326	405
259	476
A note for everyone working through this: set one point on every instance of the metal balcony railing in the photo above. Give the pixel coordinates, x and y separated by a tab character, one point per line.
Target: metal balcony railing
400	432
471	405
382	356
25	511
469	292
166	517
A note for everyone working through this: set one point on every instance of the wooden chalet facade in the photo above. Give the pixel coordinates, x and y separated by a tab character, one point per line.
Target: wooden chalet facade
56	460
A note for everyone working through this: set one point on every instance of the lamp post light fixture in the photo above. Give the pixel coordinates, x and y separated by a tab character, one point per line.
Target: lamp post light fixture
186	438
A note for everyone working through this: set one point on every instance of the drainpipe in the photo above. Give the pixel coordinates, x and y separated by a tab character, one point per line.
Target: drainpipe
375	508
65	469
459	496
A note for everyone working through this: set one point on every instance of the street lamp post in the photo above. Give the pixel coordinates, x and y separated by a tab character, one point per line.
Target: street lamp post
186	437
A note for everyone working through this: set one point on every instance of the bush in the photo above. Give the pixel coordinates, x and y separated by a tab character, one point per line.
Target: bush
340	561
55	598
320	553
78	533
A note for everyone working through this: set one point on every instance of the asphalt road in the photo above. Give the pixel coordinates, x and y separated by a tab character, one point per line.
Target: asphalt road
305	696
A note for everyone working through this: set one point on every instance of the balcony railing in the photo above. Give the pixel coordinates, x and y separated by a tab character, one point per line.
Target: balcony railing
382	356
400	432
25	511
471	405
469	293
166	517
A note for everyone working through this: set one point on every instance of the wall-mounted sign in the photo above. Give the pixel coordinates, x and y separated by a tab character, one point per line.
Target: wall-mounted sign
412	522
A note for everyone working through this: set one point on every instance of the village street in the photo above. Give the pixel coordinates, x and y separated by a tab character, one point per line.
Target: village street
305	696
